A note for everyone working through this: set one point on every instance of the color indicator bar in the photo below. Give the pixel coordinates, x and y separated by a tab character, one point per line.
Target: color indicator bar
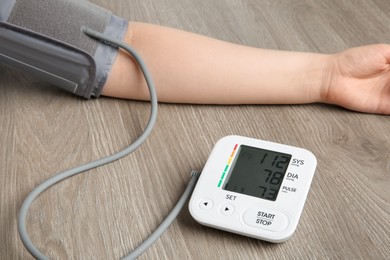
227	165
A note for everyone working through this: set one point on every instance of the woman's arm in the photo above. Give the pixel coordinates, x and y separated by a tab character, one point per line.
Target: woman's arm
189	68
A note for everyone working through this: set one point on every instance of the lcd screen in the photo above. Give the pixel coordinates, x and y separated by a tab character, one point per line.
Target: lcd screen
257	172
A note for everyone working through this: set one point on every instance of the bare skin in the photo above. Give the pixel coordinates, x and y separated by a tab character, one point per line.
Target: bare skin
189	68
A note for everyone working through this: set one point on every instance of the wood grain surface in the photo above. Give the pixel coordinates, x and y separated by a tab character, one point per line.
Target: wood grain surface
105	213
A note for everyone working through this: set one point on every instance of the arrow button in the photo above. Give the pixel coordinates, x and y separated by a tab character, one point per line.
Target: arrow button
206	204
227	209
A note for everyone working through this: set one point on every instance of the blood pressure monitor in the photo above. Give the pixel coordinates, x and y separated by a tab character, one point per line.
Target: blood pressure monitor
254	188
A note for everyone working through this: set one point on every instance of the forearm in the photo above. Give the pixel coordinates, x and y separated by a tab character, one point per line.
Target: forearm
186	68
189	68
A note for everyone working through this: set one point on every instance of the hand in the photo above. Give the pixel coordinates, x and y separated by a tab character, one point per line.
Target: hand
359	79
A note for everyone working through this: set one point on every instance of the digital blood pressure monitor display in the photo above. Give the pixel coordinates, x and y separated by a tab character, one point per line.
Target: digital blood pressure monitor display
257	172
253	187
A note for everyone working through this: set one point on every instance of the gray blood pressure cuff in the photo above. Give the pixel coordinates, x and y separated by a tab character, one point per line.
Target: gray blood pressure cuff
45	38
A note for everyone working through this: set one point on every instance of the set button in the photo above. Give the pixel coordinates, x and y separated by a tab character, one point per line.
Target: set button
227	209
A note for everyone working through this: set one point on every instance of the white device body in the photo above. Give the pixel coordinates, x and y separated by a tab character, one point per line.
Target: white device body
270	220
